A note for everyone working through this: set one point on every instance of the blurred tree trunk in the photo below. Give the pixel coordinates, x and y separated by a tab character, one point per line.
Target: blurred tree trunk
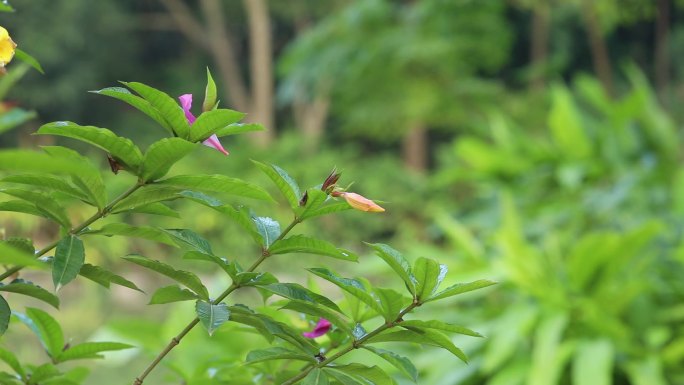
415	148
261	68
599	50
257	99
539	47
662	52
310	111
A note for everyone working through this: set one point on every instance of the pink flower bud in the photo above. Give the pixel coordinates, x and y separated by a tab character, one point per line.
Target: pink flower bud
322	327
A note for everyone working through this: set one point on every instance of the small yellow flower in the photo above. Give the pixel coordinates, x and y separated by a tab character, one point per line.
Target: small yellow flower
7	47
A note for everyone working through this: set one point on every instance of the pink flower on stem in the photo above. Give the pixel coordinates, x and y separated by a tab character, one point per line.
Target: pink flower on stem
212	141
322	327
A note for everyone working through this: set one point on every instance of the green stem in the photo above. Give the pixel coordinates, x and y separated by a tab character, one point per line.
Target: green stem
177	339
354	345
99	214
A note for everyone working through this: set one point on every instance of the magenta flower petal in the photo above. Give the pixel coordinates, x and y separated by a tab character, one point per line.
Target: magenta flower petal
186	104
322	327
213	142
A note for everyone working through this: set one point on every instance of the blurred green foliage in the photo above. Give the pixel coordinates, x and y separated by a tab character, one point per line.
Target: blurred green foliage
571	199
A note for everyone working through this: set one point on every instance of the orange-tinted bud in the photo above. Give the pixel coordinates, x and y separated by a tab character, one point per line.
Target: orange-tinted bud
361	203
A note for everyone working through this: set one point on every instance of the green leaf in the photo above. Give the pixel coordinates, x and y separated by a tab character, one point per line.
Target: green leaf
91	350
46	328
44	203
155	209
172	293
303	244
43	373
441	340
217	183
230	268
287	186
185	278
11	360
244	219
144	232
434	324
296	291
364	374
566	126
190	238
211	121
27	288
137	102
270	328
404	365
398	263
460	288
146	196
391	302
32	161
593	363
105	277
5	7
14	118
23	244
238	128
5	313
10	255
120	148
318	311
252	278
26	58
547	358
163	154
352	286
210	97
69	258
315	377
212	316
276	353
165	105
87	178
268	228
427	271
19	206
47	182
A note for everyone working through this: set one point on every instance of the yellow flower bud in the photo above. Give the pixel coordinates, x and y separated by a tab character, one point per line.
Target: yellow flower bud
362	203
7	47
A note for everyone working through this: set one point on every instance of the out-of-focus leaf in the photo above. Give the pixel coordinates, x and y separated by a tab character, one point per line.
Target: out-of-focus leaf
22	55
11	360
69	258
367	374
316	377
32	161
14	117
47	182
593	363
11	255
87	178
5	313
